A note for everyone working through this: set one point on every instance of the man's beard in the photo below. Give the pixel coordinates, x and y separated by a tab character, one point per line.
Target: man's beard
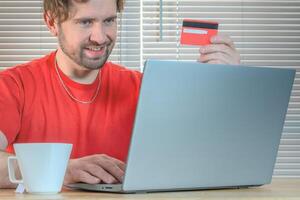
80	58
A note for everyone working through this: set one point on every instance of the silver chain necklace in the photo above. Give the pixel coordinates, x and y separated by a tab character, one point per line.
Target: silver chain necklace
70	94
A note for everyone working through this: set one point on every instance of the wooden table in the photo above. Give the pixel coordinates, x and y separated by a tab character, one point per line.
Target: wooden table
280	189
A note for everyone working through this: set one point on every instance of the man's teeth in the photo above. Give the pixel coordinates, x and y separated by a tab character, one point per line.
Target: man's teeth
95	48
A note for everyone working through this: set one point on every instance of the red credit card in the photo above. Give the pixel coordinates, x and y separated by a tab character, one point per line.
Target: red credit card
198	32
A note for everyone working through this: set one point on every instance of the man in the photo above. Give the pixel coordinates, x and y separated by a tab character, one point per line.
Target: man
75	96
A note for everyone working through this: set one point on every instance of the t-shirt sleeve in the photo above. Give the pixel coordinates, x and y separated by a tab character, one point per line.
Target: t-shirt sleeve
11	103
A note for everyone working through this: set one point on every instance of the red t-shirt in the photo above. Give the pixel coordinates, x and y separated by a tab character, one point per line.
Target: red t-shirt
34	107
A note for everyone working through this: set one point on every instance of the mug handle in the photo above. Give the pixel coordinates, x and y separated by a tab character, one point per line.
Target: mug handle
11	170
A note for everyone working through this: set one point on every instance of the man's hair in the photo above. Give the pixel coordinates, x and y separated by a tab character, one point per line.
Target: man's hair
60	9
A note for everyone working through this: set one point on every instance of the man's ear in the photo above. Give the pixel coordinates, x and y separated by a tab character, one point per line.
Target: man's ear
51	24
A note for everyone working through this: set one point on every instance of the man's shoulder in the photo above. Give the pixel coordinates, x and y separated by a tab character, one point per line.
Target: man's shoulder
33	67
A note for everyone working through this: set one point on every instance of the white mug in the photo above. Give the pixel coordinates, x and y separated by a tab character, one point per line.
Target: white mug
42	166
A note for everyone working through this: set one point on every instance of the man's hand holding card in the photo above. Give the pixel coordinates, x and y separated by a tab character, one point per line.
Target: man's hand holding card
213	48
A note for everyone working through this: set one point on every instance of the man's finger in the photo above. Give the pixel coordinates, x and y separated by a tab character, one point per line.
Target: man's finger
111	167
222	39
100	173
214	48
217	58
121	164
85	177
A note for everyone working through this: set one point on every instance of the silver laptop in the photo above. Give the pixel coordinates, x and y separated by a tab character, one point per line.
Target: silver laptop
201	126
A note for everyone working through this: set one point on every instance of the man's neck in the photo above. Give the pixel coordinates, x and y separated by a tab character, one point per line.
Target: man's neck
74	71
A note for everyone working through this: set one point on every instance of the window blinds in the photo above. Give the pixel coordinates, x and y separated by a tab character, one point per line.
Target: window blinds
128	49
266	33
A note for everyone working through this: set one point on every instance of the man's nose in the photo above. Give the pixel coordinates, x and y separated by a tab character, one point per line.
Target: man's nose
98	34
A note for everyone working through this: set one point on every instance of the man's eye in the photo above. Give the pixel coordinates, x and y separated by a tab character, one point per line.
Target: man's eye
85	22
110	21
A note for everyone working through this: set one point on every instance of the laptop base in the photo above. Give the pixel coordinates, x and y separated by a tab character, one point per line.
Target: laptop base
117	188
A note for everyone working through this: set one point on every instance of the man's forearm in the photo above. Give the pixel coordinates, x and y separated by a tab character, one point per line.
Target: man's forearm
4	180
